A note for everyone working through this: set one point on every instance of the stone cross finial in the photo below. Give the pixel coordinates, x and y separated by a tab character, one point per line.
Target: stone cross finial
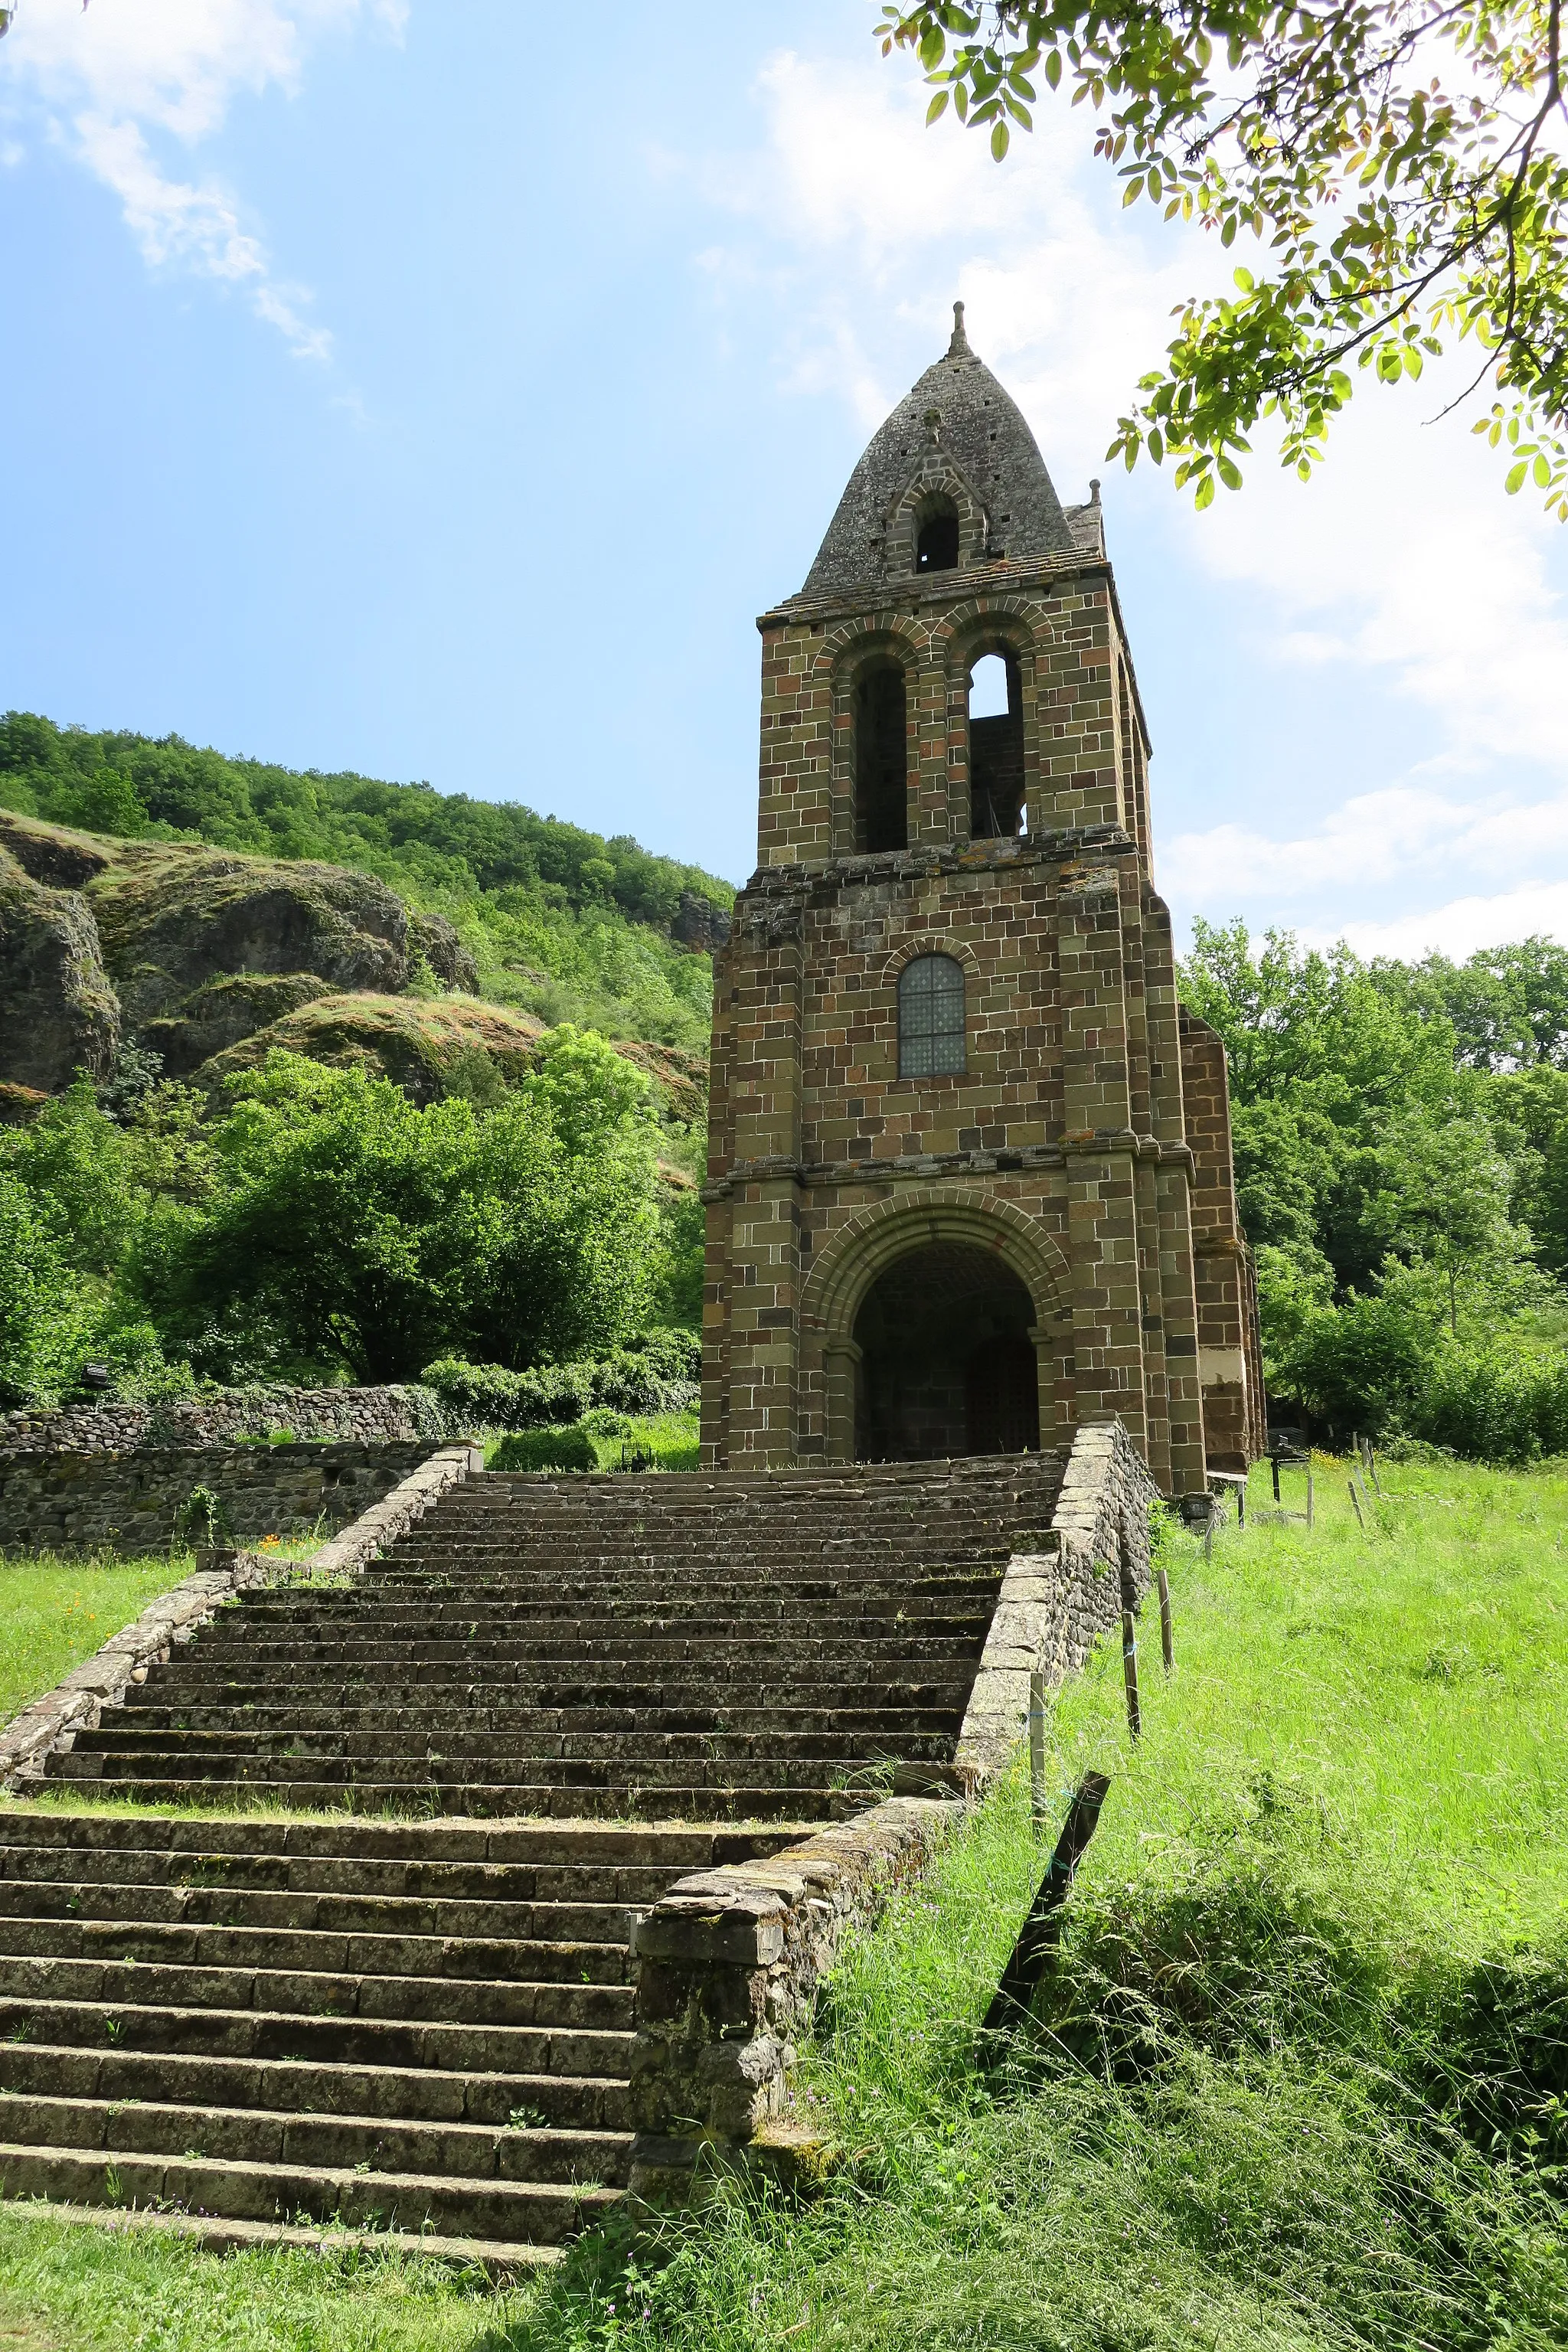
959	347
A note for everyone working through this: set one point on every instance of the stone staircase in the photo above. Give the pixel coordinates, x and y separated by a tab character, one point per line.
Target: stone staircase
423	2025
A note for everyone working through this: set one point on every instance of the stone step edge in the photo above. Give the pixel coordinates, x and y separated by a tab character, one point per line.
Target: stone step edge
78	1699
497	2258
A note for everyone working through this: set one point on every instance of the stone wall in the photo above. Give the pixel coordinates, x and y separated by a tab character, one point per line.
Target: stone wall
77	1701
729	1961
1230	1363
379	1416
129	1502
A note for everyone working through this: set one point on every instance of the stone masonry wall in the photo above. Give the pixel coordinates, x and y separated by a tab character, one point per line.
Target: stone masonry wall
729	1961
1229	1359
376	1416
129	1503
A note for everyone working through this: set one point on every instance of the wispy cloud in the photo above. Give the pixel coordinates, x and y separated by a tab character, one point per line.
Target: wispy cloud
126	81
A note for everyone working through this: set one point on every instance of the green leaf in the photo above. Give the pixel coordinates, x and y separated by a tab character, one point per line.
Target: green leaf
1229	475
1131	192
1516	475
1541	473
1054	68
1205	494
999	138
938	106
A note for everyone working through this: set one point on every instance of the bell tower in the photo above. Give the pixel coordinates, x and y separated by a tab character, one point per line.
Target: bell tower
970	1173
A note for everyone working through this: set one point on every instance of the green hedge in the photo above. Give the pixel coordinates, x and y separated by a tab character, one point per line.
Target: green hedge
1493	1408
658	1373
546	1449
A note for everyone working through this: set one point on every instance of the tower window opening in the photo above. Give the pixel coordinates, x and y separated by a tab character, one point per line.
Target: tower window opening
996	793
930	1017
936	549
882	761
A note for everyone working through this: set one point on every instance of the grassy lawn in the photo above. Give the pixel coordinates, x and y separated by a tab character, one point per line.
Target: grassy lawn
1299	2081
55	1612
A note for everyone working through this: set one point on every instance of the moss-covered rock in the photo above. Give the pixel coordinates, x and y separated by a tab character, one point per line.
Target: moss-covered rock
57	1011
172	919
428	1045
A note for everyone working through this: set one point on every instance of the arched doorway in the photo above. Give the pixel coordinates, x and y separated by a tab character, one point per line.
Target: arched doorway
946	1363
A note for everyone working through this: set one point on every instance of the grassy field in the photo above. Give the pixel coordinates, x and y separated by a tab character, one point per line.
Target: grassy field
55	1612
1301	2079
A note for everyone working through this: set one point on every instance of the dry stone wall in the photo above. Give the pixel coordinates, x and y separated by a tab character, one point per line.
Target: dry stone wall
129	1503
374	1416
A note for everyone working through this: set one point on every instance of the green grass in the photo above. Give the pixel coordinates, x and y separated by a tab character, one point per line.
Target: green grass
1300	2079
55	1612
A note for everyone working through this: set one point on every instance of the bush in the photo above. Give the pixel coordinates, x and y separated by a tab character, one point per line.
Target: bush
546	1449
1493	1408
658	1373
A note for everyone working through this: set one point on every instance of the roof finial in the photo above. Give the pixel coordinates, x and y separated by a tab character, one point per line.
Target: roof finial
959	347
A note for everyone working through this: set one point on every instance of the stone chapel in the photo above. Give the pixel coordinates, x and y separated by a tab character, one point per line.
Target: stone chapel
970	1179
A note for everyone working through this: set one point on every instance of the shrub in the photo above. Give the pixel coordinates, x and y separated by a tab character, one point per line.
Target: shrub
1494	1408
546	1449
658	1373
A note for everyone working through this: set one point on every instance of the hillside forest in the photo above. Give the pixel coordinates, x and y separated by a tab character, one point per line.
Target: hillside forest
488	1151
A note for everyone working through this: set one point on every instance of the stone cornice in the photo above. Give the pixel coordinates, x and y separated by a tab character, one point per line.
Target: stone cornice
1071	844
921	1168
998	577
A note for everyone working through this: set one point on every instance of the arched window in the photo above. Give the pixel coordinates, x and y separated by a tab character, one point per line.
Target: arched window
997	793
931	1016
881	760
936	548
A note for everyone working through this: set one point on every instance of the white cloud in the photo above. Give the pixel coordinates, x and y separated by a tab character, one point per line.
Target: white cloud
1401	577
117	81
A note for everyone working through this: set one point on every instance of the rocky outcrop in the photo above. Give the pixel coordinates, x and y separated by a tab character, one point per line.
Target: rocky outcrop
172	923
227	1011
428	1045
57	1011
698	923
433	937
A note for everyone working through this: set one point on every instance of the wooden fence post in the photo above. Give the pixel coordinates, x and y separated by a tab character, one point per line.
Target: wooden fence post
1038	1748
1129	1670
1167	1631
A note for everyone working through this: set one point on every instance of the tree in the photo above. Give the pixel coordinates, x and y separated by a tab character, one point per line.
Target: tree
371	1234
1401	213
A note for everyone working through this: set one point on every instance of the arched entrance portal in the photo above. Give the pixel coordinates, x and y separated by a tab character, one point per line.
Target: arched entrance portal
946	1365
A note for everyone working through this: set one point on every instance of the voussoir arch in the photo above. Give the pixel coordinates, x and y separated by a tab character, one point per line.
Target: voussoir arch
880	1235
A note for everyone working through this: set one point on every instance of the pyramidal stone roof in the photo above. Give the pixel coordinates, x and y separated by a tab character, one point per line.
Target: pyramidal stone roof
983	430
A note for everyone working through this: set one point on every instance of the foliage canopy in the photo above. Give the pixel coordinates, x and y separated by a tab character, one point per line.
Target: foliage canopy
1399	161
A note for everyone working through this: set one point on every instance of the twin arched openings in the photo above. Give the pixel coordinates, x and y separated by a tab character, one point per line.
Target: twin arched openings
880	719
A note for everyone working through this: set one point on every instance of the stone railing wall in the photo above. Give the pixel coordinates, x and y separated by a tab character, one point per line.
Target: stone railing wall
129	1503
382	1416
77	1702
727	1963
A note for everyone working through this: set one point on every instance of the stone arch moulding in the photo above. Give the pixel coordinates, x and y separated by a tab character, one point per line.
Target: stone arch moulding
987	625
936	477
849	656
925	943
880	1235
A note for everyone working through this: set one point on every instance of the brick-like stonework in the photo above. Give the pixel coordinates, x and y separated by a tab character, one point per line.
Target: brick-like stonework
77	1703
129	1503
379	1416
1068	1144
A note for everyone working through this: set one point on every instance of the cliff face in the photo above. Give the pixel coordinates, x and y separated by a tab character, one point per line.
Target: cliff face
210	959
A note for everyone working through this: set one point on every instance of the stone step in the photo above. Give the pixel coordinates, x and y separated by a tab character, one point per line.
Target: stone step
229	1906
116	1973
520	1964
449	2045
525	1724
517	2211
606	1887
494	1766
359	1845
566	2102
116	1736
479	1801
476	2152
370	1651
785	1690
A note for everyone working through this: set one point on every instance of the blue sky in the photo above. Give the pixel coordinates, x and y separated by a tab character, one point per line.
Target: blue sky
381	394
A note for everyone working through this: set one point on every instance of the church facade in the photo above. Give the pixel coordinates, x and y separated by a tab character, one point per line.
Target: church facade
970	1178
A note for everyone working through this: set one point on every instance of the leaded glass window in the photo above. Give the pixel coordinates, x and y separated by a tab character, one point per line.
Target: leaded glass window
931	1016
